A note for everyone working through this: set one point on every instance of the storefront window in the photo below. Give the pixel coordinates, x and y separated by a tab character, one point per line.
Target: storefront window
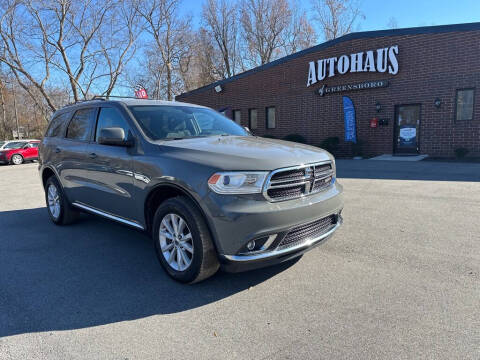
252	117
237	116
271	124
464	105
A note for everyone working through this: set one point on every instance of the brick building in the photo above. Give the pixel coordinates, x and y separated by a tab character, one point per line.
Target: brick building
413	90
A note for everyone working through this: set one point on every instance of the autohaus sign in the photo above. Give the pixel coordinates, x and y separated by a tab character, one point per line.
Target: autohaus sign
380	60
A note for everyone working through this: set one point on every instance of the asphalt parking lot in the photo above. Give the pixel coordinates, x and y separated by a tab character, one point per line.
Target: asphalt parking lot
400	280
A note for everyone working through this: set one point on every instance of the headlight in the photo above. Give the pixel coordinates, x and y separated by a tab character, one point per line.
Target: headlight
237	182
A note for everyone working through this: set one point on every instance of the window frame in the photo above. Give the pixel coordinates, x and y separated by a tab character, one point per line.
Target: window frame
89	136
63	127
456	104
97	117
250	118
266	117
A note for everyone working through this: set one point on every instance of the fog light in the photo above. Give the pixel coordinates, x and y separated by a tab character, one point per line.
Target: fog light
251	245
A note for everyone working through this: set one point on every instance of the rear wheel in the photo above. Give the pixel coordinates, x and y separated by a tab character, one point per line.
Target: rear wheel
182	241
17	159
60	211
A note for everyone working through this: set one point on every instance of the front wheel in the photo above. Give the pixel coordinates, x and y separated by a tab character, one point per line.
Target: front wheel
17	159
60	211
183	242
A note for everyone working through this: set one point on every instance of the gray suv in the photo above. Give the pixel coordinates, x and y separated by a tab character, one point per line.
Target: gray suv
209	193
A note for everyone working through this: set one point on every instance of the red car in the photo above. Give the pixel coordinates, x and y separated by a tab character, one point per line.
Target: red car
16	152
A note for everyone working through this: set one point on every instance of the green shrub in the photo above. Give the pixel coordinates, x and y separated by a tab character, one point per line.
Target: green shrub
461	152
357	148
330	144
295	138
269	136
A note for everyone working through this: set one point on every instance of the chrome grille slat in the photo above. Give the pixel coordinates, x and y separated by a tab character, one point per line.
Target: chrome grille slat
279	186
305	232
294	182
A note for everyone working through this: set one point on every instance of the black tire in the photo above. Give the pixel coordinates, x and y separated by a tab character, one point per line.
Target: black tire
67	213
21	161
204	262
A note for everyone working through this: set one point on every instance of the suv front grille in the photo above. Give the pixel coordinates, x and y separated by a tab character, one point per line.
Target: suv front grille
291	183
305	232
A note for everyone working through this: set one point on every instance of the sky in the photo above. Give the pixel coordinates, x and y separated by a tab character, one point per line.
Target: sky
408	13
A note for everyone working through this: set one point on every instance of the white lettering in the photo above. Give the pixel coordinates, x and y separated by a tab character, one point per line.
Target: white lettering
385	59
322	69
392	57
331	66
369	62
382	60
357	62
312	76
343	64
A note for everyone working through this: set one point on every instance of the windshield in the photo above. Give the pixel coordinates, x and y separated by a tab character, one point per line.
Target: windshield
164	122
15	145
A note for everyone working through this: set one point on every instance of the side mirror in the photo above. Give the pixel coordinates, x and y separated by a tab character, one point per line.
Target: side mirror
113	136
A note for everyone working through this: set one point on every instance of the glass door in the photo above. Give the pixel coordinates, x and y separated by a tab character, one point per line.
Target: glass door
407	128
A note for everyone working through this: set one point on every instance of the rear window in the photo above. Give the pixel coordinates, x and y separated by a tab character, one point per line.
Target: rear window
15	145
79	127
55	129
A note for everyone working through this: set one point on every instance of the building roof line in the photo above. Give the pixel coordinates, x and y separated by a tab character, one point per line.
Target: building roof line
351	36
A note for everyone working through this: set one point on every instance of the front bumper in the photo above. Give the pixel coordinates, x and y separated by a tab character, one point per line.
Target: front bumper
235	221
238	263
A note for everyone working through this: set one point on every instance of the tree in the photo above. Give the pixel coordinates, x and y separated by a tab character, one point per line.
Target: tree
171	35
300	33
264	23
46	42
336	17
392	23
220	19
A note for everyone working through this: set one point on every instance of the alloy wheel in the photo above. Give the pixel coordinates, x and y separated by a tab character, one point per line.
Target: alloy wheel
53	198
176	242
17	159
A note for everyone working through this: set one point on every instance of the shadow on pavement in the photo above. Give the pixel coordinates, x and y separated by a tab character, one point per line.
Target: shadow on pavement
403	170
92	273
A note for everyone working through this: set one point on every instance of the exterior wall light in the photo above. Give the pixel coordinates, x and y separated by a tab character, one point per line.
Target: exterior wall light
218	88
437	103
378	106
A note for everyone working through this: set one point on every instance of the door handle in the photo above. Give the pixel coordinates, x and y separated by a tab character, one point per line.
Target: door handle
92	155
57	150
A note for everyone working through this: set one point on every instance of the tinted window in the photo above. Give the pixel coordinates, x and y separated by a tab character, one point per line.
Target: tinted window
110	117
252	114
271	123
79	127
15	145
465	104
237	116
56	125
34	145
173	122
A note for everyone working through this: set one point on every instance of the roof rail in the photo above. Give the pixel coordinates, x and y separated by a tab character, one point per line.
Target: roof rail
104	98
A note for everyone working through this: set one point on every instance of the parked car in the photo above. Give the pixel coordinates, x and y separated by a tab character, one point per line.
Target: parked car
209	193
17	152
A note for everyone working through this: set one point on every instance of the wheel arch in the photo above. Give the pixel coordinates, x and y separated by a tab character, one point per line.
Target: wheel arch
165	191
47	172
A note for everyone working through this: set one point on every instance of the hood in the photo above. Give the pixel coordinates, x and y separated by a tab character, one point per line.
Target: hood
244	152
